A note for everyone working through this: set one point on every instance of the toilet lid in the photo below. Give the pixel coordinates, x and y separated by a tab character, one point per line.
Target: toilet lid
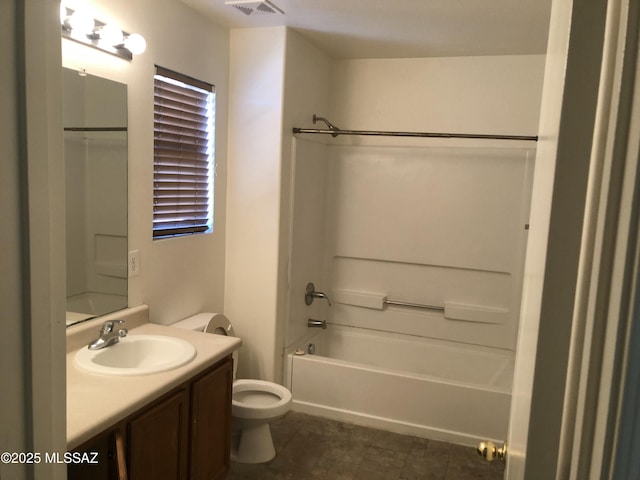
220	324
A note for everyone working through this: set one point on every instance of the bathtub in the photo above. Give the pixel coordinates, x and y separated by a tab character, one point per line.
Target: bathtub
430	388
91	304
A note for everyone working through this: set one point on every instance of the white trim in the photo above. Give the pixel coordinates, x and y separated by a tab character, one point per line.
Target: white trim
586	346
610	416
45	339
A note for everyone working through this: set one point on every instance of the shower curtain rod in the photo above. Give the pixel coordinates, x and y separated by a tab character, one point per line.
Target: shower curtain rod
95	129
335	131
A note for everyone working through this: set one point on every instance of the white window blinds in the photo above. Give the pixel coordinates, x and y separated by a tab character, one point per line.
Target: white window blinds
183	155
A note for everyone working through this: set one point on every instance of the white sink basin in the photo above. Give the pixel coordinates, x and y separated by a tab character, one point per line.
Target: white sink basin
137	355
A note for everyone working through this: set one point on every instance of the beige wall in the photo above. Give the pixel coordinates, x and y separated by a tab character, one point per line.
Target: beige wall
182	276
499	94
278	80
254	182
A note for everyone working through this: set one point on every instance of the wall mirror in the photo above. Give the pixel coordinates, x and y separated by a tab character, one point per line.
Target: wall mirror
95	152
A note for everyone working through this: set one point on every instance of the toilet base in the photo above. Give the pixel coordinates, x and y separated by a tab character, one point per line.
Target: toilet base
254	444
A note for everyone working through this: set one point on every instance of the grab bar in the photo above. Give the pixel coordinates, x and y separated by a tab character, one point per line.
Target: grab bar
412	305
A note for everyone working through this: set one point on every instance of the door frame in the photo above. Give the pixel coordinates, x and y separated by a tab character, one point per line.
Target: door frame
578	281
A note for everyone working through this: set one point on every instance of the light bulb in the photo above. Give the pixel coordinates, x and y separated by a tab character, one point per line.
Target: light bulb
82	22
63	13
135	43
111	34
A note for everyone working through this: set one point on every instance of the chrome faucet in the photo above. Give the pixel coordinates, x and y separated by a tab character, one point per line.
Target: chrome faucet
310	293
109	336
311	323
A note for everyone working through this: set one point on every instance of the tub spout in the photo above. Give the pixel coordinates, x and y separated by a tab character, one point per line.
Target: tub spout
311	323
310	293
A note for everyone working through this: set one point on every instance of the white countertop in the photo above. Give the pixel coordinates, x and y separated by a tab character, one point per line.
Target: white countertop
96	402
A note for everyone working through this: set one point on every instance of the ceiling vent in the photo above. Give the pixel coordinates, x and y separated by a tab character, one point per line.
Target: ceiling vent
251	7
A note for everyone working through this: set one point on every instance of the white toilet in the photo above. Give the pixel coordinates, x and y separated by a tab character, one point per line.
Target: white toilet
255	403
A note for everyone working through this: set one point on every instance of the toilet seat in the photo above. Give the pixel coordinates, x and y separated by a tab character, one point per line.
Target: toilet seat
274	402
220	324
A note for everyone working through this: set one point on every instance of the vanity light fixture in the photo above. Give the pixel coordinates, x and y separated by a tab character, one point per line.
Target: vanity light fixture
80	26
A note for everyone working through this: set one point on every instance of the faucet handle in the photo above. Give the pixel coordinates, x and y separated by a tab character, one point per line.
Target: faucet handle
310	293
107	335
107	327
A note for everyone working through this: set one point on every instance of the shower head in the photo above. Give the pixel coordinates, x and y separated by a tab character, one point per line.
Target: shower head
329	125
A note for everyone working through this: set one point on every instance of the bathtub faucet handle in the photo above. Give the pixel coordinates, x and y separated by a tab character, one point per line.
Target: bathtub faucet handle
310	293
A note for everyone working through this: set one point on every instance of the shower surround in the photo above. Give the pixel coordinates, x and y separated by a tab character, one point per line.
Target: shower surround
442	229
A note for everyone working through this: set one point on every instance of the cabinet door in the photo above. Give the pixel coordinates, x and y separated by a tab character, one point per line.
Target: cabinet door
103	459
158	439
211	423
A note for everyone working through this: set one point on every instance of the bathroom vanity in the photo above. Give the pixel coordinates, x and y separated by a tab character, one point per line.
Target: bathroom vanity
170	425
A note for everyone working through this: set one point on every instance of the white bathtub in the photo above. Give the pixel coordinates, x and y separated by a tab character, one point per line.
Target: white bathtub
441	390
91	304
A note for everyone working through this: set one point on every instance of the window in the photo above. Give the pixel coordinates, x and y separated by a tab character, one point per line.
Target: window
183	159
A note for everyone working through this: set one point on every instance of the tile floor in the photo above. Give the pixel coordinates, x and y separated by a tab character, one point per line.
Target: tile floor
313	448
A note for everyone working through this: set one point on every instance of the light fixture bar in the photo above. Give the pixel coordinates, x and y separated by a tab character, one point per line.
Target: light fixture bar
89	31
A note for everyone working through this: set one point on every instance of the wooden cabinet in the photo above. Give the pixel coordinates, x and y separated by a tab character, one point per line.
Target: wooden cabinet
185	434
210	452
157	440
104	466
